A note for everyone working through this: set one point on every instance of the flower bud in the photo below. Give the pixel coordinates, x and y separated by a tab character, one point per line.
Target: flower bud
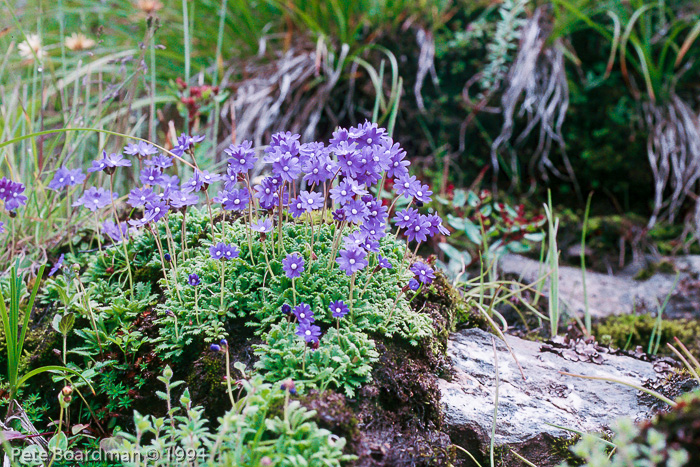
214	348
288	385
67	390
223	343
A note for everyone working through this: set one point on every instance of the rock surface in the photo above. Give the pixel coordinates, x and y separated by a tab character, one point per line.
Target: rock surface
613	295
526	408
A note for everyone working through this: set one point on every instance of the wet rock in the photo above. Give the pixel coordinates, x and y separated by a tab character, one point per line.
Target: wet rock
527	409
619	294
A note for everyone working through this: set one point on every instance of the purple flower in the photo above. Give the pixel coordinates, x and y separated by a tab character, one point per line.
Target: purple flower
286	309
116	160
423	194
237	200
231	252
169	182
138	197
293	265
407	185
114	232
354	240
161	161
377	212
287	167
2	227
309	332
215	348
338	215
419	229
311	201
109	162
318	167
208	178
98	165
436	225
64	178
339	309
296	208
230	179
355	211
195	183
221	197
413	284
193	280
151	176
241	157
57	265
281	143
94	199
142	149
262	226
179	199
373	229
11	194
347	159
406	217
303	313
398	165
267	193
155	210
383	262
352	260
423	272
184	142
194	139
223	251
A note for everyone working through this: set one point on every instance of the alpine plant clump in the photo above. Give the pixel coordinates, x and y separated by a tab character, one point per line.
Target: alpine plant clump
304	253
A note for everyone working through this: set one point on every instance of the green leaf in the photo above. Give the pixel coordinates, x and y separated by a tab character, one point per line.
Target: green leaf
473	199
58	443
472	231
455	254
66	323
456	222
460	197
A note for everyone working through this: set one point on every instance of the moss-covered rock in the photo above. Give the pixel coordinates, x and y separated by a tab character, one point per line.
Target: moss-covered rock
630	331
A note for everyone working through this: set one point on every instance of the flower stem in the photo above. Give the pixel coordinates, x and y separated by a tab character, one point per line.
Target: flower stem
222	285
196	304
228	378
352	287
183	238
162	257
121	234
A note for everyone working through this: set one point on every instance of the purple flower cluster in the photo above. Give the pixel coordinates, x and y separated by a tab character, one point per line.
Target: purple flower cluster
11	194
223	251
423	272
63	178
305	327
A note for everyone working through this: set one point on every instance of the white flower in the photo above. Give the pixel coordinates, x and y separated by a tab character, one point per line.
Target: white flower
79	41
32	43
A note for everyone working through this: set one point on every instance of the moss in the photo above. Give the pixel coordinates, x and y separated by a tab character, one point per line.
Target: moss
661	267
630	331
333	413
206	383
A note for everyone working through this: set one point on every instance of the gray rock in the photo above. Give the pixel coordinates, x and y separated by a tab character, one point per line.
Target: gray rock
613	295
526	408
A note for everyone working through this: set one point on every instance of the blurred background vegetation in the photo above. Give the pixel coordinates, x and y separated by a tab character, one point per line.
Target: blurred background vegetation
515	97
